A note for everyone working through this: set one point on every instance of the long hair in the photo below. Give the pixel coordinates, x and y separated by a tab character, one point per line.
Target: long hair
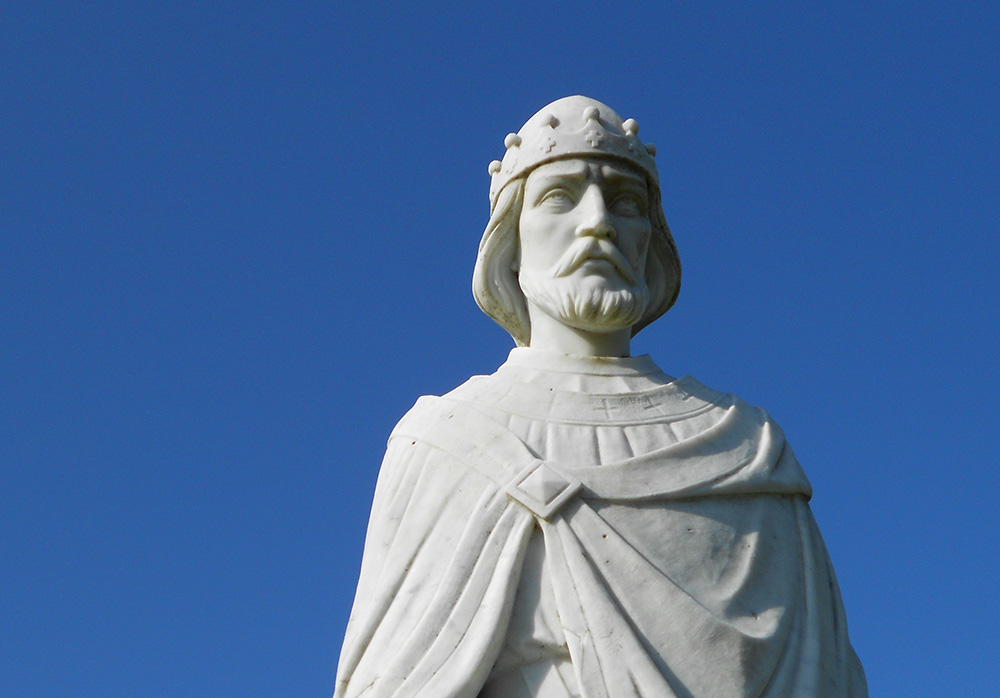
494	281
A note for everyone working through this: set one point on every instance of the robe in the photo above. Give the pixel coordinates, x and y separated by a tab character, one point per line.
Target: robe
678	550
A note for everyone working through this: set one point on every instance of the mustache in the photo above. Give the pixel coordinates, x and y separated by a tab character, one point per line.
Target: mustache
591	248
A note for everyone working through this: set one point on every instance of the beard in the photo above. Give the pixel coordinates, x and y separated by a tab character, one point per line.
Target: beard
594	303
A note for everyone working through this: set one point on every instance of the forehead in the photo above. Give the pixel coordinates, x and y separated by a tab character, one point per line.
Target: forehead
587	169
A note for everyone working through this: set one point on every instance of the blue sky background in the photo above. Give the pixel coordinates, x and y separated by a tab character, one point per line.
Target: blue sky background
236	243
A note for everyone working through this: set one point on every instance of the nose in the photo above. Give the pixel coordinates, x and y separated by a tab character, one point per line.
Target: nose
595	221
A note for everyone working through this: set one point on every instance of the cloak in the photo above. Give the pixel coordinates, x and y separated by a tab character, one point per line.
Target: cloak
690	567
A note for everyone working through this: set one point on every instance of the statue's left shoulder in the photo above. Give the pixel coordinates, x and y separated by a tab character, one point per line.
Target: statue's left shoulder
700	392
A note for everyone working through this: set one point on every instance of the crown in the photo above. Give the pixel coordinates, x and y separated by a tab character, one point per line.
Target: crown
571	127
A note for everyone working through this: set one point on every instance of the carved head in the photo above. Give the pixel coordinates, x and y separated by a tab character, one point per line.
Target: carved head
576	190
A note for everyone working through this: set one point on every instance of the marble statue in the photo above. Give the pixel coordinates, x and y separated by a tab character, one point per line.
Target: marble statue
579	523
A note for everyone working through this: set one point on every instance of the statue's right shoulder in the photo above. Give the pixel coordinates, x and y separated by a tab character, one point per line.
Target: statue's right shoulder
426	412
476	389
455	425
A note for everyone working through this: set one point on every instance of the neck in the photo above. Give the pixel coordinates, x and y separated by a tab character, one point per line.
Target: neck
552	334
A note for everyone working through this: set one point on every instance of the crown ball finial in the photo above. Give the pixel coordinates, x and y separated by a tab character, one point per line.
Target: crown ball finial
495	167
591	113
651	149
550	120
512	140
631	127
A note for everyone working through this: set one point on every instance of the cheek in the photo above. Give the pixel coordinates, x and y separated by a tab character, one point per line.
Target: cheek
531	241
634	241
542	239
644	245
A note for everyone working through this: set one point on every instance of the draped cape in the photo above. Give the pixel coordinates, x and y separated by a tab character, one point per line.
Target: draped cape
693	571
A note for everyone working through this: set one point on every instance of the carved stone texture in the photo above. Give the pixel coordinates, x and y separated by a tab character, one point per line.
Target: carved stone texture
579	523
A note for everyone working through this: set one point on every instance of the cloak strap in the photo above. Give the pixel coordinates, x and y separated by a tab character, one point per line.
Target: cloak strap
743	453
491	449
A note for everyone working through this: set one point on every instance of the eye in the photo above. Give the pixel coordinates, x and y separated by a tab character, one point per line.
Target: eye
628	204
559	198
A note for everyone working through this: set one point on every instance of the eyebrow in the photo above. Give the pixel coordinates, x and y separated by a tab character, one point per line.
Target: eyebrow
616	175
574	175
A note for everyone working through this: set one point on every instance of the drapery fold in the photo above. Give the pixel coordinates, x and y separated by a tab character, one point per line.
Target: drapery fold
691	571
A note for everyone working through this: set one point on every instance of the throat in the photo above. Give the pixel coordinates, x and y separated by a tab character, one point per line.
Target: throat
555	335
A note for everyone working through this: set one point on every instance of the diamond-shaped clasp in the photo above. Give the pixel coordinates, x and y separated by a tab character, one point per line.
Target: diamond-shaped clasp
543	489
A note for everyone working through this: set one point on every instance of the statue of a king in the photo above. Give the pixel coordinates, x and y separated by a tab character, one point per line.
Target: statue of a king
580	524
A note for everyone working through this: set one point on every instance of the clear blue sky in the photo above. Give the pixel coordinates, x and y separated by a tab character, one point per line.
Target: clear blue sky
236	243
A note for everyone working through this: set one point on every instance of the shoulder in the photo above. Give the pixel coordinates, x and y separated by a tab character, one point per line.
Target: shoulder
703	393
477	389
715	405
427	408
691	389
457	418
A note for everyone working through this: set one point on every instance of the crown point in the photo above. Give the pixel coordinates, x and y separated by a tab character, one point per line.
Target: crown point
591	113
651	149
550	121
495	167
512	140
631	127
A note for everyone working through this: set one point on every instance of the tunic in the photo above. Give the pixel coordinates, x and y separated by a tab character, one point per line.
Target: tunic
592	527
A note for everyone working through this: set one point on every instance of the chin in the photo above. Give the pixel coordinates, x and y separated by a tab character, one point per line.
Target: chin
592	304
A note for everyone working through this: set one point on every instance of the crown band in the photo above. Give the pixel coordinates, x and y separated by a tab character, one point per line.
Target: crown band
571	127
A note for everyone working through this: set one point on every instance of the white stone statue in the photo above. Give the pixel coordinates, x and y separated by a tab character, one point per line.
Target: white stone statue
580	524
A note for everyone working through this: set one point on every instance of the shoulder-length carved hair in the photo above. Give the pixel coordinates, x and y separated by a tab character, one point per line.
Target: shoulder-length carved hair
495	284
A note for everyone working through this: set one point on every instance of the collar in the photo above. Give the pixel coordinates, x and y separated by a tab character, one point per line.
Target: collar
551	361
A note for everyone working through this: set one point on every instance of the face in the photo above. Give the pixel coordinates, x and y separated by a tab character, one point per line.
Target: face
584	235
